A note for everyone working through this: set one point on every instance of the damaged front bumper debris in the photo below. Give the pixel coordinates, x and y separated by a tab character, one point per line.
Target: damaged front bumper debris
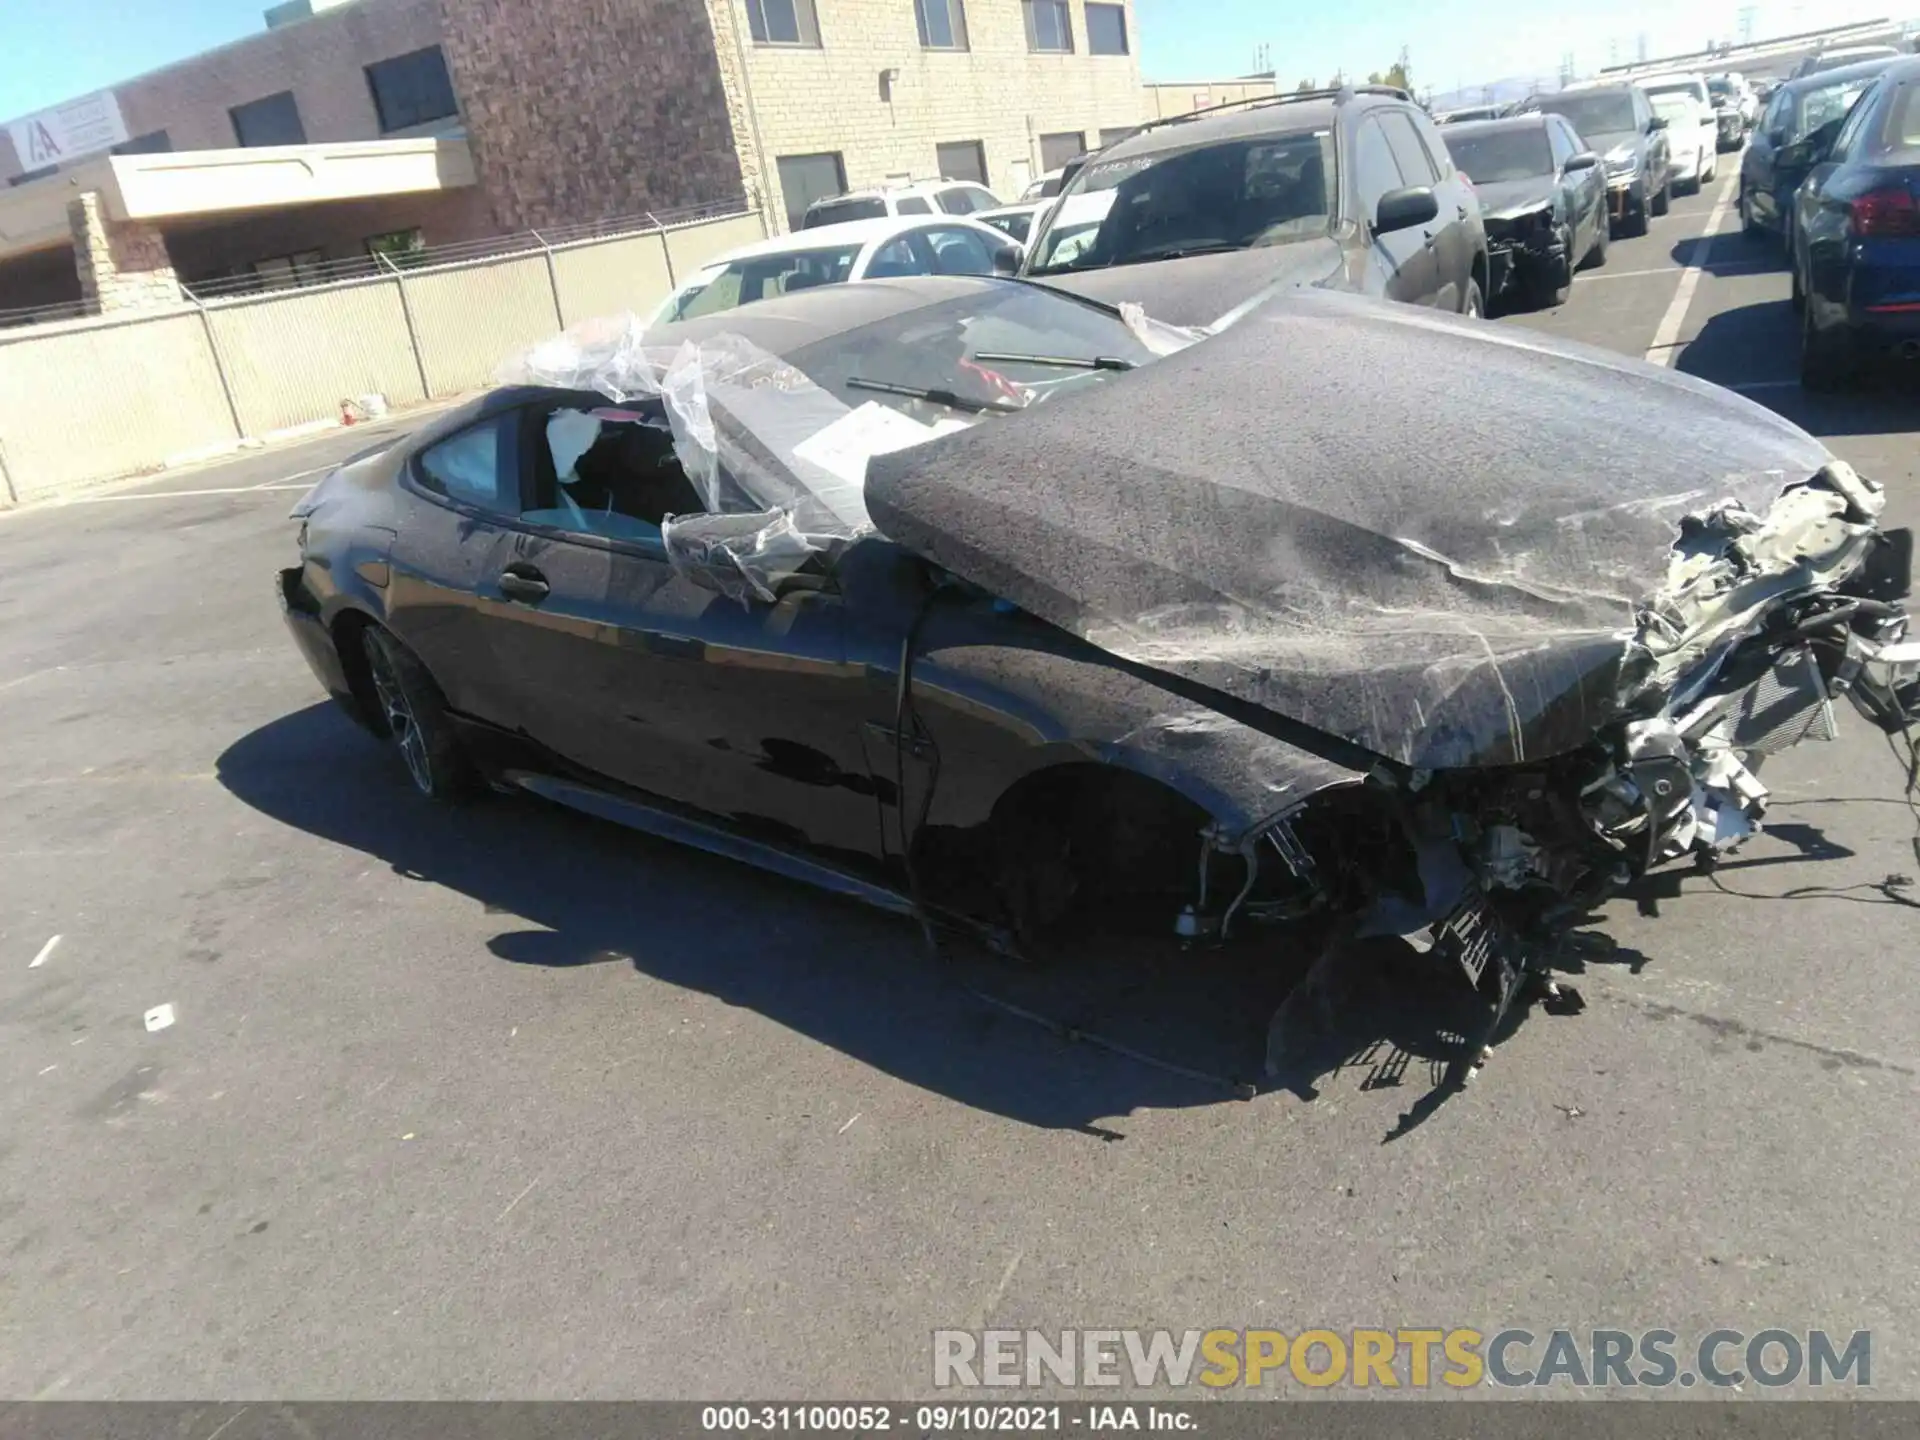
1763	623
1523	251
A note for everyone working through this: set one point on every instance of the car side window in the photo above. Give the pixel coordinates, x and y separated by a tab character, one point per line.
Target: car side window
899	256
1560	141
1408	153
1433	142
982	199
959	252
1642	109
912	205
478	466
1856	123
1375	171
610	472
1776	116
956	202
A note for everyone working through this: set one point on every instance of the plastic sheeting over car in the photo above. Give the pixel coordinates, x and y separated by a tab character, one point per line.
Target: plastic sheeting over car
1428	537
738	416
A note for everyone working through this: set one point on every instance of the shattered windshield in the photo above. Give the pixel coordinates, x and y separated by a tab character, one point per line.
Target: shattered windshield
1608	112
1492	156
1222	195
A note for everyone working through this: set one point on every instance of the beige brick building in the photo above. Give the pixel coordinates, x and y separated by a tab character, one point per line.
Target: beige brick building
996	98
535	115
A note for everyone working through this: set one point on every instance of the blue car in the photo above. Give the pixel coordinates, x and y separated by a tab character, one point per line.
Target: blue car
1856	235
1800	115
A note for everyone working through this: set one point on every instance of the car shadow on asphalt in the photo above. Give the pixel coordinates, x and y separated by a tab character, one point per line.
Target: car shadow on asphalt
1728	255
1111	1026
1761	343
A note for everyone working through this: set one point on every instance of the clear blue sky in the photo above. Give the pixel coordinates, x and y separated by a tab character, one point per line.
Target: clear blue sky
53	49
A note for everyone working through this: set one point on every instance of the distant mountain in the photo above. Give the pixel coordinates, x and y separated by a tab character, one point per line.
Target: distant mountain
1514	87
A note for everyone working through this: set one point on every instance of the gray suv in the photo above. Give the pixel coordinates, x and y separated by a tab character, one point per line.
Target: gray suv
1617	123
1201	217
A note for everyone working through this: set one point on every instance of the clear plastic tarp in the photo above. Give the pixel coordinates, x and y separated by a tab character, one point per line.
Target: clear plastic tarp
1437	540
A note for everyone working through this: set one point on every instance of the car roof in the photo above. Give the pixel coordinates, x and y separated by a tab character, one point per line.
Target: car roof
1532	120
1840	74
895	192
1590	87
1269	115
1670	77
820	237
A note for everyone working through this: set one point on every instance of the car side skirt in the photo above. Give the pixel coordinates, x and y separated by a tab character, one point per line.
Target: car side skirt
714	839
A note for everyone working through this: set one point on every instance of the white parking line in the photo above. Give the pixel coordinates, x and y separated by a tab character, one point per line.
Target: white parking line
187	494
1669	270
1663	349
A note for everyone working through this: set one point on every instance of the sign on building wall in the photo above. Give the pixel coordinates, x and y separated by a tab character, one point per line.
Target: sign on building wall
66	132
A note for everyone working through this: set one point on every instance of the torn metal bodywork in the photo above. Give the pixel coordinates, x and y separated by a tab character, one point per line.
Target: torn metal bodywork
1525	250
1565	626
1449	658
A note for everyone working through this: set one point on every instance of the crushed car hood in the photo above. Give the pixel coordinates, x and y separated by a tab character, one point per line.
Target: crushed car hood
1445	570
1201	288
1513	197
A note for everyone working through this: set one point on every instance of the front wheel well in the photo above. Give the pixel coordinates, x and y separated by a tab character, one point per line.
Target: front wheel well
1095	842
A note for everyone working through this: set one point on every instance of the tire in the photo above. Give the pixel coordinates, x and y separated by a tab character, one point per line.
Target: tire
1472	304
1597	255
1826	360
415	715
1749	226
1661	203
1635	224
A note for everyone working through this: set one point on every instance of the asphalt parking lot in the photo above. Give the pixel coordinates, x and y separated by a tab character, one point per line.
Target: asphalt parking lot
506	1103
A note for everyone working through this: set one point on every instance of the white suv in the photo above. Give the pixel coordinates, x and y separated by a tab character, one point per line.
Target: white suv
922	197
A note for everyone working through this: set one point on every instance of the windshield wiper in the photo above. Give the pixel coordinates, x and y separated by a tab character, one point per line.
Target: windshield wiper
936	397
1057	362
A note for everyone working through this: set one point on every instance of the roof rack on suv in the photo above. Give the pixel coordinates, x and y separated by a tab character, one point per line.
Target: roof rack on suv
1339	94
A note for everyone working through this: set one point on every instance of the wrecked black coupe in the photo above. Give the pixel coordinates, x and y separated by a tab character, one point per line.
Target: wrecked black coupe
1007	610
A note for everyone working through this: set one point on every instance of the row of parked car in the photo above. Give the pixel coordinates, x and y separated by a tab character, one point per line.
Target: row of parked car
1359	188
1833	177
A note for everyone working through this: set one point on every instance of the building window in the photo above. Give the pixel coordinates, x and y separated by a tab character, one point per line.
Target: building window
1049	26
401	247
411	90
1106	29
943	24
154	142
284	272
807	178
274	120
783	22
962	160
1057	149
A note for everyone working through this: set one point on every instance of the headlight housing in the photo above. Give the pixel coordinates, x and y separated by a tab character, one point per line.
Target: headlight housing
1622	160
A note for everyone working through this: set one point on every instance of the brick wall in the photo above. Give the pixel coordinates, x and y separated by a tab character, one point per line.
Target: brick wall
582	109
997	92
123	265
321	60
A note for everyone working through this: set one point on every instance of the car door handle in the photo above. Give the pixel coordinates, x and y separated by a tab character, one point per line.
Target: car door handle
525	584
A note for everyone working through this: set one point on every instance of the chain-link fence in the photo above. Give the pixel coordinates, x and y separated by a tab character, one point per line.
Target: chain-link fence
115	395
